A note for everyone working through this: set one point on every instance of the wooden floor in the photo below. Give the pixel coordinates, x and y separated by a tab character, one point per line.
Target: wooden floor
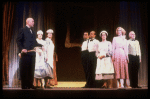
70	84
74	90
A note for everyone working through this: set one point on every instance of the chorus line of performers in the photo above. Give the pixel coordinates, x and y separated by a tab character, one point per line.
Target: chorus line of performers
104	61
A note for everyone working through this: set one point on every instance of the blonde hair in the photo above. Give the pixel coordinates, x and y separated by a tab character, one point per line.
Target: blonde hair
117	30
123	31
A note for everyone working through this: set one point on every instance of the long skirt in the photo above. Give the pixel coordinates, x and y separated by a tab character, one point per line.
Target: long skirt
42	68
46	72
120	65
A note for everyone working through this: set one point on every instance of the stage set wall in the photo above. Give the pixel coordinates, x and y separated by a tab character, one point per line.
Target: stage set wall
70	20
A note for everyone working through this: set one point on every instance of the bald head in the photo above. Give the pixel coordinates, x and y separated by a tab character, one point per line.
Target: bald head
132	35
30	22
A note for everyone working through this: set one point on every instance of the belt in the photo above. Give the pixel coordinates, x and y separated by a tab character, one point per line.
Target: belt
31	50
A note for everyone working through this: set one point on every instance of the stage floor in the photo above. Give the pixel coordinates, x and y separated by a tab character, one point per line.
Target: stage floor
74	90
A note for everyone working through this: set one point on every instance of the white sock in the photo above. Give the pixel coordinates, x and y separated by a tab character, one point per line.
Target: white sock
43	82
122	83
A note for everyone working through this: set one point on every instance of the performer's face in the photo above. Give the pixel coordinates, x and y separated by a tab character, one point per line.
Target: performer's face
132	35
104	36
49	35
85	36
31	22
40	36
92	35
119	31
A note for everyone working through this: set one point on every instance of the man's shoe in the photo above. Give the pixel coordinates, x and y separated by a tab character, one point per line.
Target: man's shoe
138	87
33	87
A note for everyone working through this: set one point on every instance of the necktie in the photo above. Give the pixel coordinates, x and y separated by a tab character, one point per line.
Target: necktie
91	39
30	30
87	43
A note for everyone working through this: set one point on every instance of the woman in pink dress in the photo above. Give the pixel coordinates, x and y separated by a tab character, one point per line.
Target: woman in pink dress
120	57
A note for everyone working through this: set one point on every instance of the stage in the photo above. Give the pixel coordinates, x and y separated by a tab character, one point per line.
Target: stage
75	90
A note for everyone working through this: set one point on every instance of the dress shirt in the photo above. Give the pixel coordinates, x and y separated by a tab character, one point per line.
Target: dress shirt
134	48
84	45
93	45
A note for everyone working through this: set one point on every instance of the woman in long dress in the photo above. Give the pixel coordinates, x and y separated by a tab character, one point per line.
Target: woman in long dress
42	69
104	69
120	57
50	51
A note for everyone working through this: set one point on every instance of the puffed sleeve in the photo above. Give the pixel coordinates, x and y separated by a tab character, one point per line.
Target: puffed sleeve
109	50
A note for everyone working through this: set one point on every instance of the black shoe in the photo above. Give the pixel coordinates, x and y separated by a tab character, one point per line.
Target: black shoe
33	87
138	87
24	87
86	86
37	86
47	87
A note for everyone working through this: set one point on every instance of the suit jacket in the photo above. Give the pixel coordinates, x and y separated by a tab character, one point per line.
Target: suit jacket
26	39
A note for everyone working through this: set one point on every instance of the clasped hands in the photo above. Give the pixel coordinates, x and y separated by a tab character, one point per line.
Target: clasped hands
102	56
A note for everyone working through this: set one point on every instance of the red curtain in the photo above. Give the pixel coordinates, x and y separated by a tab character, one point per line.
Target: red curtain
8	16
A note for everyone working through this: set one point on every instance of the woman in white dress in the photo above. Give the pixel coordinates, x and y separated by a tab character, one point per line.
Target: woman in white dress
42	70
49	48
104	69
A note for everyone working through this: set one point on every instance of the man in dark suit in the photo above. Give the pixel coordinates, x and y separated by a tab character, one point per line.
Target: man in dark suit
26	41
85	55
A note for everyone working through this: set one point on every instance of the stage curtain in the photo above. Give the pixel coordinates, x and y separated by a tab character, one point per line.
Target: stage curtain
133	17
8	16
